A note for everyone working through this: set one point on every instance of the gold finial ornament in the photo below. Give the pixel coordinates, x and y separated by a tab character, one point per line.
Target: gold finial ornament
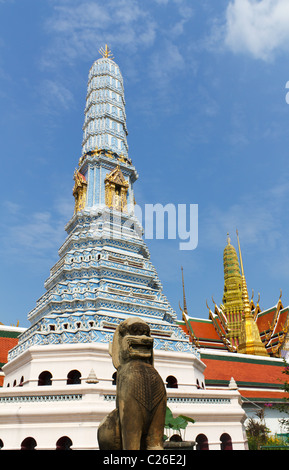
106	53
228	239
184	294
184	310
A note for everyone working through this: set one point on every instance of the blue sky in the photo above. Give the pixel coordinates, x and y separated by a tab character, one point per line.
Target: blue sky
208	121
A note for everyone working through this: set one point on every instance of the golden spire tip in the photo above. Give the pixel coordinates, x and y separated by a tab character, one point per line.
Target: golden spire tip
106	53
240	254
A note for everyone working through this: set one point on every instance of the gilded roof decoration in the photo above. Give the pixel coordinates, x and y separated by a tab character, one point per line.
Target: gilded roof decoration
246	329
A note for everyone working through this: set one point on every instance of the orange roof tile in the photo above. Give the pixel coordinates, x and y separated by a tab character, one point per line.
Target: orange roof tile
203	329
281	321
265	319
263	395
247	370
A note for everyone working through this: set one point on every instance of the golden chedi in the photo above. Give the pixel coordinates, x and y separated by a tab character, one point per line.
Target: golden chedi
250	341
232	298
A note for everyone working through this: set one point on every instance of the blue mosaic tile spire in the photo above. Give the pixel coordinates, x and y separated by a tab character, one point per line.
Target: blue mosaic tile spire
105	119
104	273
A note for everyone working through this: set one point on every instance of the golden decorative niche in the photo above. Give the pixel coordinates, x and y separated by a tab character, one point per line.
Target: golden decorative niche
79	191
116	188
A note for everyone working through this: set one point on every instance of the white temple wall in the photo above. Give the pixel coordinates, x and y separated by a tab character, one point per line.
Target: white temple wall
60	359
48	413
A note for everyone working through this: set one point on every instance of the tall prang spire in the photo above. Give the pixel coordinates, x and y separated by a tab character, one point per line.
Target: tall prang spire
105	174
104	274
105	119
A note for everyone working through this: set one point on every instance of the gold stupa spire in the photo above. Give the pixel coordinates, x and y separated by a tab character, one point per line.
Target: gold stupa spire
106	52
250	341
232	297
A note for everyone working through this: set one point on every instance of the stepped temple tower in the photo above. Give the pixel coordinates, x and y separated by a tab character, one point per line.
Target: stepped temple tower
60	382
104	273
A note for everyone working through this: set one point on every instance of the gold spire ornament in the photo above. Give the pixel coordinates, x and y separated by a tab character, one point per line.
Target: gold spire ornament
184	310
106	53
250	341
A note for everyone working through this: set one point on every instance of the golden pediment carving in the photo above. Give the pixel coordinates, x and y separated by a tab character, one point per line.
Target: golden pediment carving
116	188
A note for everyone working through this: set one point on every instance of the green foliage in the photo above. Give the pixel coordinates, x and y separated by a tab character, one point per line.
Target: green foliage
257	434
276	441
284	407
178	423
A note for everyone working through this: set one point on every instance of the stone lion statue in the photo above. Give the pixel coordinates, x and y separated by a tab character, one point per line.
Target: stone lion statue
139	418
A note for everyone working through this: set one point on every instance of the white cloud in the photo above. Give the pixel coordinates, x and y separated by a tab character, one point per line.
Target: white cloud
37	235
259	28
165	63
81	28
55	95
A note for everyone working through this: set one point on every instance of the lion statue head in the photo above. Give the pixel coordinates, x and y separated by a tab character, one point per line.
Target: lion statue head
131	340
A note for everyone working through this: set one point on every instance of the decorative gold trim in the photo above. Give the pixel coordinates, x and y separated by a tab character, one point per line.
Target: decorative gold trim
116	188
79	191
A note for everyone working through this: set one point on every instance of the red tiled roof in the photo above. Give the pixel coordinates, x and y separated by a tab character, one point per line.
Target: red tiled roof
211	333
251	371
266	318
218	326
263	395
281	320
5	345
8	339
203	329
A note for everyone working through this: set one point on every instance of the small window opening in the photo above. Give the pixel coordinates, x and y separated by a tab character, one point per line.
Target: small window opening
45	378
202	442
64	443
114	377
73	377
171	382
28	444
226	442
